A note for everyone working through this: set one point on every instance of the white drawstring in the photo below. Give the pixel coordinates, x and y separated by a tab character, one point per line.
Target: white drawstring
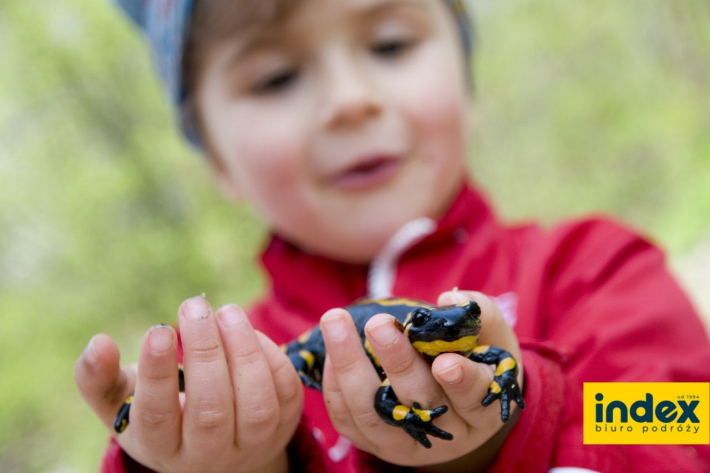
380	277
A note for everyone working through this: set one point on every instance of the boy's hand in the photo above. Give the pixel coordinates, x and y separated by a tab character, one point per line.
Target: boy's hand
350	384
242	401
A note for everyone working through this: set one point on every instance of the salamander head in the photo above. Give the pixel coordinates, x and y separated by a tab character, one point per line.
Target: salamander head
447	329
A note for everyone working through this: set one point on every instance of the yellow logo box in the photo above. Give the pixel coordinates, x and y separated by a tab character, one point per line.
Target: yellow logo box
646	413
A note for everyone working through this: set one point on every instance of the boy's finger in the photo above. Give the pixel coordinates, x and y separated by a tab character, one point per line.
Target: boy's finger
339	412
355	376
286	381
407	371
465	383
155	411
208	417
257	406
101	381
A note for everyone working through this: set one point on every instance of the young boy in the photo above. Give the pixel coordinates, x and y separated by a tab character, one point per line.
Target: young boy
344	123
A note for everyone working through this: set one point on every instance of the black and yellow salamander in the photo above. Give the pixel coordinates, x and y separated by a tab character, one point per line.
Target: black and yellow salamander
432	331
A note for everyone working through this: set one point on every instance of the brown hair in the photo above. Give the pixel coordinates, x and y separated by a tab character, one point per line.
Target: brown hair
217	20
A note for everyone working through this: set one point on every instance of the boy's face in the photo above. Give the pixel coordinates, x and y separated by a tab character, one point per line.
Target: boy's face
342	123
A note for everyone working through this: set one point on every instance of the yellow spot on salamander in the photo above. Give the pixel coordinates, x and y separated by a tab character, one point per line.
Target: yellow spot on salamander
464	345
283	348
463	304
368	347
308	356
389	302
400	412
423	414
385	382
304	337
128	400
481	349
505	365
494	388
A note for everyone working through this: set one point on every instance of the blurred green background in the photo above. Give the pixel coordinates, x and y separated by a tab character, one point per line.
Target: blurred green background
108	220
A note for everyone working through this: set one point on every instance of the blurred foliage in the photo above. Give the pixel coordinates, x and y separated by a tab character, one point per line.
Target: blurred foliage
597	105
108	221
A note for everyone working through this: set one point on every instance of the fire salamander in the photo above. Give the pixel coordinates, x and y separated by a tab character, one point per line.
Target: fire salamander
432	331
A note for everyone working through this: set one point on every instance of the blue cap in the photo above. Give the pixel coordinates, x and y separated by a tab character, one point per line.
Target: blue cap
165	24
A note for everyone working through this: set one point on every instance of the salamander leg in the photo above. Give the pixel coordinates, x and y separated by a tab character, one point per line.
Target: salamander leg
505	380
121	421
309	382
417	422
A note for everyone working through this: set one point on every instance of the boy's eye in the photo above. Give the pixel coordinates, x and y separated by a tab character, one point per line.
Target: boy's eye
276	82
391	48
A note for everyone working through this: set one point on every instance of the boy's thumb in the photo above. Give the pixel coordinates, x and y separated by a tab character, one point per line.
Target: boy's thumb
101	381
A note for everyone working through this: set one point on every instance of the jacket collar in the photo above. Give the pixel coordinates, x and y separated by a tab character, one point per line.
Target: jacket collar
313	283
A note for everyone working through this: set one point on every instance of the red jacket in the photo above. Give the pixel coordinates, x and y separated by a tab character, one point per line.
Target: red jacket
589	301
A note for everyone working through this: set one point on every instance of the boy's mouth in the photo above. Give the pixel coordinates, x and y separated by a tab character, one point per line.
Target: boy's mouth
370	171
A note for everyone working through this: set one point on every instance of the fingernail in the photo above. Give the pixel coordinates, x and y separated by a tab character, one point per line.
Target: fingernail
90	352
452	374
160	339
383	333
230	315
334	326
195	308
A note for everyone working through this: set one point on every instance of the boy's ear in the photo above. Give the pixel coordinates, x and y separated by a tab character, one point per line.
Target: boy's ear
220	174
229	188
471	116
227	185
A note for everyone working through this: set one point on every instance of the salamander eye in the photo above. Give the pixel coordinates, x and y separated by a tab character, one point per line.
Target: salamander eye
419	317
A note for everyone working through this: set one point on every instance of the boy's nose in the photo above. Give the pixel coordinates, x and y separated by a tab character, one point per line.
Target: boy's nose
353	114
350	100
